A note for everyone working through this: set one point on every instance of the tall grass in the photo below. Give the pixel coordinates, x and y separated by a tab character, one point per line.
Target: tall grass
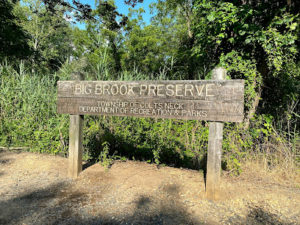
28	111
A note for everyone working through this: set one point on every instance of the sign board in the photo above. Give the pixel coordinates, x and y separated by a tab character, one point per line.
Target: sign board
192	99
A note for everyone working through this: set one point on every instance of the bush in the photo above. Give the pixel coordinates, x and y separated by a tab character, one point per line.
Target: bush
28	118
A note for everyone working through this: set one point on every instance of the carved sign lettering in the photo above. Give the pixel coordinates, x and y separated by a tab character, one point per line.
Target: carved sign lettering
199	100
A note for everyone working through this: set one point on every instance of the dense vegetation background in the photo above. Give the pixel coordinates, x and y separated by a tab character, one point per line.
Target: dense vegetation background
257	41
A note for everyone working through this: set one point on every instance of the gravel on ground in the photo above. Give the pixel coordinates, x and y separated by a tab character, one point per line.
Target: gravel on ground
35	189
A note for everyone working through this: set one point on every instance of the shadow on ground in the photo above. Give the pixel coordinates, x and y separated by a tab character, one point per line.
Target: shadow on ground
259	216
5	160
56	204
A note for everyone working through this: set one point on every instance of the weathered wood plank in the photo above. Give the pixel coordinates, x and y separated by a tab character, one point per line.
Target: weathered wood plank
75	145
200	100
214	151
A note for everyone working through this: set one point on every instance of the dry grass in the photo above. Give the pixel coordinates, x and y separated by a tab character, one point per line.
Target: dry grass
272	169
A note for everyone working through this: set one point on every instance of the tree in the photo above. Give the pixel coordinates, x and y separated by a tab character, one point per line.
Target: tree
256	41
182	19
111	23
50	35
13	39
153	48
101	43
81	11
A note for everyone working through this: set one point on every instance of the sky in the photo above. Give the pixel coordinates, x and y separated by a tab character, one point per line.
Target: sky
123	9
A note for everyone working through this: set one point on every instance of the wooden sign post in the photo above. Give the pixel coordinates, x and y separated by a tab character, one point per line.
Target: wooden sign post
75	139
214	152
216	100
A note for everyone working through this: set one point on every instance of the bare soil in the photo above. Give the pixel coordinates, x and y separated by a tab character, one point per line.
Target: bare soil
35	189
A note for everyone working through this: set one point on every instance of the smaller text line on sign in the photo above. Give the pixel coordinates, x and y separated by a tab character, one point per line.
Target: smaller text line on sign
200	100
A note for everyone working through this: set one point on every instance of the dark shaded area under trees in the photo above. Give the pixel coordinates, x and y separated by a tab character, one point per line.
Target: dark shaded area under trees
13	39
39	203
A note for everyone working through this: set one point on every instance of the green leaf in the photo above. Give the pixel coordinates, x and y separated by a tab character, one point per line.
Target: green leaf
293	26
242	32
248	40
211	17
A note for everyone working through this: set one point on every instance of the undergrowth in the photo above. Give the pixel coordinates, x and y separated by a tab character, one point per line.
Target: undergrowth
28	118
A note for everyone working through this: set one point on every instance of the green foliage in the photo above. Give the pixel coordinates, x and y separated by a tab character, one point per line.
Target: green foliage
258	42
49	35
239	67
28	112
28	118
151	48
13	39
177	143
104	158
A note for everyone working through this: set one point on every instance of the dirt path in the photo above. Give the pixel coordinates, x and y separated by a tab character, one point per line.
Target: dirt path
34	189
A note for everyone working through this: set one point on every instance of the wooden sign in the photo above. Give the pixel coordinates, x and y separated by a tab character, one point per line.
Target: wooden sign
200	100
216	100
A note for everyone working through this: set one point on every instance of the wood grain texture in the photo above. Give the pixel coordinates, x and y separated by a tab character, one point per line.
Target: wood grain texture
199	100
75	145
214	150
214	155
75	139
